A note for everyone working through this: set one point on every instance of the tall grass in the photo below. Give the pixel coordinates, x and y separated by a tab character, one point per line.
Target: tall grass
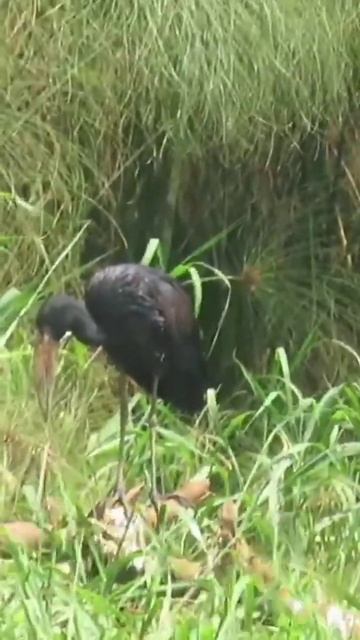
228	131
290	463
179	123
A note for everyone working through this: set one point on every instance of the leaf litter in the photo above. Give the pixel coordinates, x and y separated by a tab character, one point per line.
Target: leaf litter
125	529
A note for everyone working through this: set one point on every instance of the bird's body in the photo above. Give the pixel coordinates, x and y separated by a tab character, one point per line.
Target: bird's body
144	321
149	330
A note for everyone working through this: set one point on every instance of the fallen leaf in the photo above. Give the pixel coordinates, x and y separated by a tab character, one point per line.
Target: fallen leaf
262	569
133	494
22	532
228	519
113	502
253	562
173	508
192	493
184	569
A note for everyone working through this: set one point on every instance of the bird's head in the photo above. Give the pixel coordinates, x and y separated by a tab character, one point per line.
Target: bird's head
60	318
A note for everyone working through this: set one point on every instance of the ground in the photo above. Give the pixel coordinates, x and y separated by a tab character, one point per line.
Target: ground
280	479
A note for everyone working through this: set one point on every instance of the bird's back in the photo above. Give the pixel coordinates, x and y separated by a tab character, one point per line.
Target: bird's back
145	315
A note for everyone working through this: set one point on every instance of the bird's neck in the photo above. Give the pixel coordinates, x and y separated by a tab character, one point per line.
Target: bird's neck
86	330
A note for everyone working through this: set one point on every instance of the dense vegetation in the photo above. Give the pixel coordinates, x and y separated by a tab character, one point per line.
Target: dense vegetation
229	132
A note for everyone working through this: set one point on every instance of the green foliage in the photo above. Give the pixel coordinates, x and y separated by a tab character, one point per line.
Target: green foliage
291	462
218	140
156	122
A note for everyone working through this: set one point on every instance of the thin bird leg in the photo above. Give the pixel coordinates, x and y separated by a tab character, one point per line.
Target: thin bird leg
124	416
152	427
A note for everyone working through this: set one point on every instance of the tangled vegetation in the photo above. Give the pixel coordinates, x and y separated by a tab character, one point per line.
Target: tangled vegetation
221	141
233	127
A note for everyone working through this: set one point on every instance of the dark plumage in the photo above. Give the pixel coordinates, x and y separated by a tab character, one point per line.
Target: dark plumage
62	314
144	321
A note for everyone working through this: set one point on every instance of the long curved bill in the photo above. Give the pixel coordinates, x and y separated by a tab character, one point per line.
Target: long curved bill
46	352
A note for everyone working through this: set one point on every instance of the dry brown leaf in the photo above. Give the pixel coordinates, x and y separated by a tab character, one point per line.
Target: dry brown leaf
253	562
190	495
113	502
228	519
133	494
244	551
184	569
239	552
193	492
262	569
173	509
22	532
150	515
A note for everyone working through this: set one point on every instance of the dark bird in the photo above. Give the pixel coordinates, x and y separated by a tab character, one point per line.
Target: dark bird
144	321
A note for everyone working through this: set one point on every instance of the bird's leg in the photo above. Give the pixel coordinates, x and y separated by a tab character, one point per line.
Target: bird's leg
124	416
152	427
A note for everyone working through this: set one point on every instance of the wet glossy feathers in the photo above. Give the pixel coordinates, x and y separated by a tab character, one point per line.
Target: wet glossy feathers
150	330
144	321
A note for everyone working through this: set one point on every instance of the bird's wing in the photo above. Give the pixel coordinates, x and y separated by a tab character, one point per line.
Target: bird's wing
174	305
125	312
149	329
141	302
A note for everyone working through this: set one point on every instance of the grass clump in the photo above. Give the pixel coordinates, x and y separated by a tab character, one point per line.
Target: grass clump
284	503
155	122
230	134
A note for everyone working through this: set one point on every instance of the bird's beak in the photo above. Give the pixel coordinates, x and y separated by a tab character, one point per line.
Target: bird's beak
46	353
45	359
